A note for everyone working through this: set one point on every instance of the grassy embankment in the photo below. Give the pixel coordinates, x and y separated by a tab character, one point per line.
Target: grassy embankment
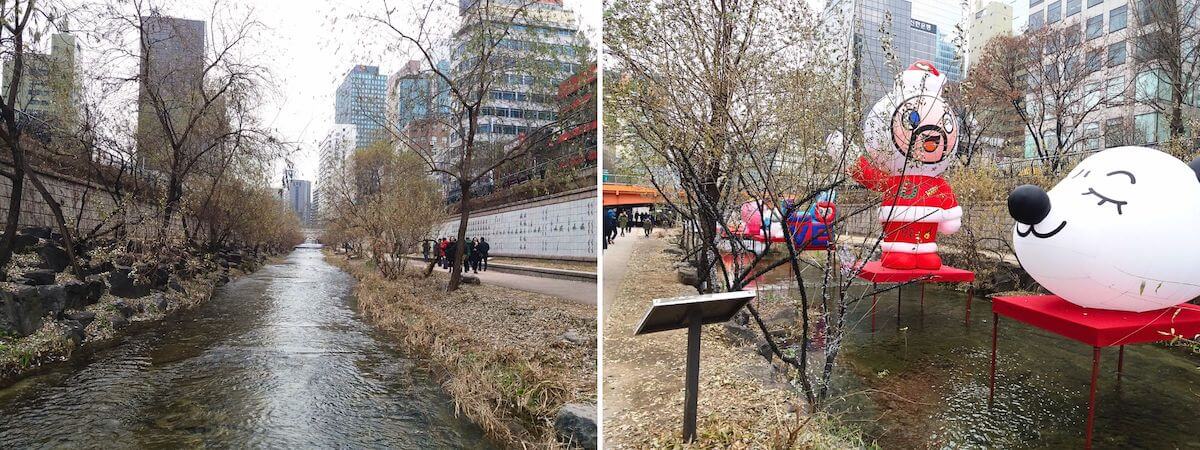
500	353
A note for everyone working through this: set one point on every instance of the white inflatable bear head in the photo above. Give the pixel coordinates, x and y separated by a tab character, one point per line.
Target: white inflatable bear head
1120	232
912	125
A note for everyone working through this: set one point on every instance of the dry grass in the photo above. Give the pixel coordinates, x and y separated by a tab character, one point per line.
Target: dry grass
744	403
499	351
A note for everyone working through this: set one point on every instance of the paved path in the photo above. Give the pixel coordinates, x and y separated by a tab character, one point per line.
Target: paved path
575	291
616	260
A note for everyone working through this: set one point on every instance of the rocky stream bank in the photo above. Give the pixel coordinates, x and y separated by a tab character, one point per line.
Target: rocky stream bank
47	312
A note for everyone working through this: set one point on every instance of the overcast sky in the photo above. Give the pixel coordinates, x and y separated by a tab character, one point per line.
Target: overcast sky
308	47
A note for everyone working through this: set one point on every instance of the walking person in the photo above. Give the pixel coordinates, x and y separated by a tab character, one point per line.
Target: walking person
623	222
441	252
451	252
425	249
482	249
474	255
610	227
647	225
468	252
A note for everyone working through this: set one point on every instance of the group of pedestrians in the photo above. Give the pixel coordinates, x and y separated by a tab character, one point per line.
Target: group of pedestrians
621	222
475	253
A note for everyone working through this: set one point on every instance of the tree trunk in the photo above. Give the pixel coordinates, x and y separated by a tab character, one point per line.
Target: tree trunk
14	212
61	221
464	214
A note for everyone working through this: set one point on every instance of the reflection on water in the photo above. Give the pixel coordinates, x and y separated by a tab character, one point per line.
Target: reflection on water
278	358
923	382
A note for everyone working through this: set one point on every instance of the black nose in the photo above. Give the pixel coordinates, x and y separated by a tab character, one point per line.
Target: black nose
1028	204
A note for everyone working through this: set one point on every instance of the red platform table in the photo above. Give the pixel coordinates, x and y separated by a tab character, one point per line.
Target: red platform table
1095	327
875	273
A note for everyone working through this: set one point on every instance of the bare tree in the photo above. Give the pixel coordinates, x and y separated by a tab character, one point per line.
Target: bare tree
495	50
1043	76
185	79
722	104
1166	52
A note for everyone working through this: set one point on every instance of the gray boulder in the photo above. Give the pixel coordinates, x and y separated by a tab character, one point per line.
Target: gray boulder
575	424
470	279
20	311
78	293
122	283
95	288
54	298
688	275
53	257
123	308
38	232
38	277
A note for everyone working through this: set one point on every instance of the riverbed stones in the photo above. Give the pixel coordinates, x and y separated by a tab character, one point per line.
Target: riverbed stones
122	283
123	309
39	277
53	256
688	275
20	310
575	424
95	288
38	232
573	337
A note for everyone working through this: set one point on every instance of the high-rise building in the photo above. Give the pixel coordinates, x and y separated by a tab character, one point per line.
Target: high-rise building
300	199
414	93
360	102
869	22
540	52
987	21
923	43
948	61
48	90
541	48
171	76
1113	73
333	165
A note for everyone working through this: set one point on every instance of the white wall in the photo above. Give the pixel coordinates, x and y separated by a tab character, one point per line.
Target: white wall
566	229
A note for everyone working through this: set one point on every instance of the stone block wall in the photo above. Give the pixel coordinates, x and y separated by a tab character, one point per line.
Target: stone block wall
83	201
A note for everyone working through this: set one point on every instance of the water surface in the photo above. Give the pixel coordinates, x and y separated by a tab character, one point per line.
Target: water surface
277	358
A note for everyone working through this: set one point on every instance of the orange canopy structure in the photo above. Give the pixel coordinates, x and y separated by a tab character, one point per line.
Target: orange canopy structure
619	194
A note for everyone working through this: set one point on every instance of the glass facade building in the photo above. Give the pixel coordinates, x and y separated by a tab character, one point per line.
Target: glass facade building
360	102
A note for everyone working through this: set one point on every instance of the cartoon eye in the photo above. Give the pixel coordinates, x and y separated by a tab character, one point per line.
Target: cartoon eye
911	119
947	123
1104	199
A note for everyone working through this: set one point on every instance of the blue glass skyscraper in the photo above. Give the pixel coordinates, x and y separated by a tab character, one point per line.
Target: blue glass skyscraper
360	102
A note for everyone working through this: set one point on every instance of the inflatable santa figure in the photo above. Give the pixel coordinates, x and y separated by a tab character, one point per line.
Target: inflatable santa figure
909	137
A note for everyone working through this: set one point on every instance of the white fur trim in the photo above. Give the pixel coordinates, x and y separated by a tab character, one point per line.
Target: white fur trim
922	214
908	247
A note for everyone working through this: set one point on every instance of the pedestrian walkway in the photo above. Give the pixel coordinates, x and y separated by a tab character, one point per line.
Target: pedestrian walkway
575	291
616	260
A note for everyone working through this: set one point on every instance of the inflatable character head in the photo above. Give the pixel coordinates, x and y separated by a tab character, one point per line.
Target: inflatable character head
911	130
1120	232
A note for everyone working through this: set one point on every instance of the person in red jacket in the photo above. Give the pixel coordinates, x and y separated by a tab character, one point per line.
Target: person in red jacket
910	136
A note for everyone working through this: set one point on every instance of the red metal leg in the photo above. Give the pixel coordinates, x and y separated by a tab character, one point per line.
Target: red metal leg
992	380
1091	421
1120	362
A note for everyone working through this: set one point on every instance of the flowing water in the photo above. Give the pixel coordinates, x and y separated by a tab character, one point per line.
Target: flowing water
277	358
921	380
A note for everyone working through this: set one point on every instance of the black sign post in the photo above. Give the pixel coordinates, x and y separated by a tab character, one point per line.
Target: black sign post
692	312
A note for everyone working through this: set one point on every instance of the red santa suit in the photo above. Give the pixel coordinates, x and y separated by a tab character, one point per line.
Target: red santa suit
914	209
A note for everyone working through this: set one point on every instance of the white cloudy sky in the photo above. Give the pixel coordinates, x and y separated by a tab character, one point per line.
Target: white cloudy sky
307	46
